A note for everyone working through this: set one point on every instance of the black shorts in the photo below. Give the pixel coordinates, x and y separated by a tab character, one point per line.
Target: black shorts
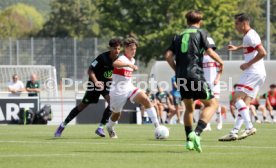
92	96
195	89
176	100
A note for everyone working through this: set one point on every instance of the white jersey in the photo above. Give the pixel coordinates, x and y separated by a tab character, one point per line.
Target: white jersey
251	41
211	68
122	88
123	74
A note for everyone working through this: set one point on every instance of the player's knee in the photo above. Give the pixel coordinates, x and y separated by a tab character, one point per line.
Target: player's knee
147	103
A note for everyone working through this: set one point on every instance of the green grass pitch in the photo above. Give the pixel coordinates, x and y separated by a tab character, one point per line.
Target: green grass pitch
34	147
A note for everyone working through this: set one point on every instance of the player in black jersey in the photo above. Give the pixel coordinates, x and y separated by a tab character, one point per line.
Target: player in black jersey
99	73
188	48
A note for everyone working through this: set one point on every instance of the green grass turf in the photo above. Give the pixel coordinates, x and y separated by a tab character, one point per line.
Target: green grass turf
34	146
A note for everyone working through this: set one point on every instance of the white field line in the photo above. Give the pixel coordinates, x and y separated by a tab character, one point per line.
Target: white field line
151	144
35	155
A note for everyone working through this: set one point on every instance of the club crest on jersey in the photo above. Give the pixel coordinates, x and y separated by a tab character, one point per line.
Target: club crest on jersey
108	74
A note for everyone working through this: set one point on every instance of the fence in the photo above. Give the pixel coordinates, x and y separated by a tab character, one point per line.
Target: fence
71	57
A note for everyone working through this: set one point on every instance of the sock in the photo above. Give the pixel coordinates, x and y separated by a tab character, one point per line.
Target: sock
219	118
200	126
272	117
111	123
153	116
264	117
105	117
243	109
188	130
256	118
73	113
238	124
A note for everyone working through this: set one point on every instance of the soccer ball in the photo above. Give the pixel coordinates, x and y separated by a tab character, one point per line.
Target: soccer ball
161	132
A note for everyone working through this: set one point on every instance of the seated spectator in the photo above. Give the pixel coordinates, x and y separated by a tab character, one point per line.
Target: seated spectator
164	103
254	106
270	103
176	100
33	86
15	86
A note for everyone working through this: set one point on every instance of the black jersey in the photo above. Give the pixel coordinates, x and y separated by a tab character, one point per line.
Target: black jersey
151	97
102	67
188	48
162	97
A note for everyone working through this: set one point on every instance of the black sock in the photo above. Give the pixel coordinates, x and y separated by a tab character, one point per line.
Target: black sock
73	113
188	130
106	115
272	117
200	126
256	118
264	117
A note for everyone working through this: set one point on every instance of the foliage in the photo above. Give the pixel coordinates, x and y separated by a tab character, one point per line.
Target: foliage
43	6
71	18
20	20
155	22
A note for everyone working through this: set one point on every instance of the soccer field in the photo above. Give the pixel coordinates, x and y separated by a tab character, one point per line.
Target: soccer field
34	146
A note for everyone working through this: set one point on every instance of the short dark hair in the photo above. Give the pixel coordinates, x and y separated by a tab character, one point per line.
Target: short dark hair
193	17
129	41
115	42
272	86
241	17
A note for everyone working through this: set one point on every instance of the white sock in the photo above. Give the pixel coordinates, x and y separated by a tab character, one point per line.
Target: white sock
111	123
153	116
219	118
243	109
238	124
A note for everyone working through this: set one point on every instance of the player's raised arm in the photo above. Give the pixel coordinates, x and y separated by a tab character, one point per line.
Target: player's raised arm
234	48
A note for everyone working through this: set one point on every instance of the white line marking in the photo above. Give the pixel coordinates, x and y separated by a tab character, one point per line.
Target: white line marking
35	155
137	144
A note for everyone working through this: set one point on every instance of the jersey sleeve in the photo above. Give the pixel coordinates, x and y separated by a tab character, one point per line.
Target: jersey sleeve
207	40
96	64
254	40
172	47
21	85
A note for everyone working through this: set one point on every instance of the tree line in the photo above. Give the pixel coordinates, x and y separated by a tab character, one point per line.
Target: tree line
152	22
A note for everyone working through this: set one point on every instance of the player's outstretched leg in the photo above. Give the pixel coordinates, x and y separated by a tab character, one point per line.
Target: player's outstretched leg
100	131
74	112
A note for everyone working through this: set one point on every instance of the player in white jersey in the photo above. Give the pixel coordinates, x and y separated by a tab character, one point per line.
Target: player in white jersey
252	78
212	75
122	88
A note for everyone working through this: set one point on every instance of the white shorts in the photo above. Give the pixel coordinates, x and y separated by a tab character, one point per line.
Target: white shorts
250	84
119	97
216	90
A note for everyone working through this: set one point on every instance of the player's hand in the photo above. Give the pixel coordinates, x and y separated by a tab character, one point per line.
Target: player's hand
216	81
134	67
244	66
232	47
100	85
